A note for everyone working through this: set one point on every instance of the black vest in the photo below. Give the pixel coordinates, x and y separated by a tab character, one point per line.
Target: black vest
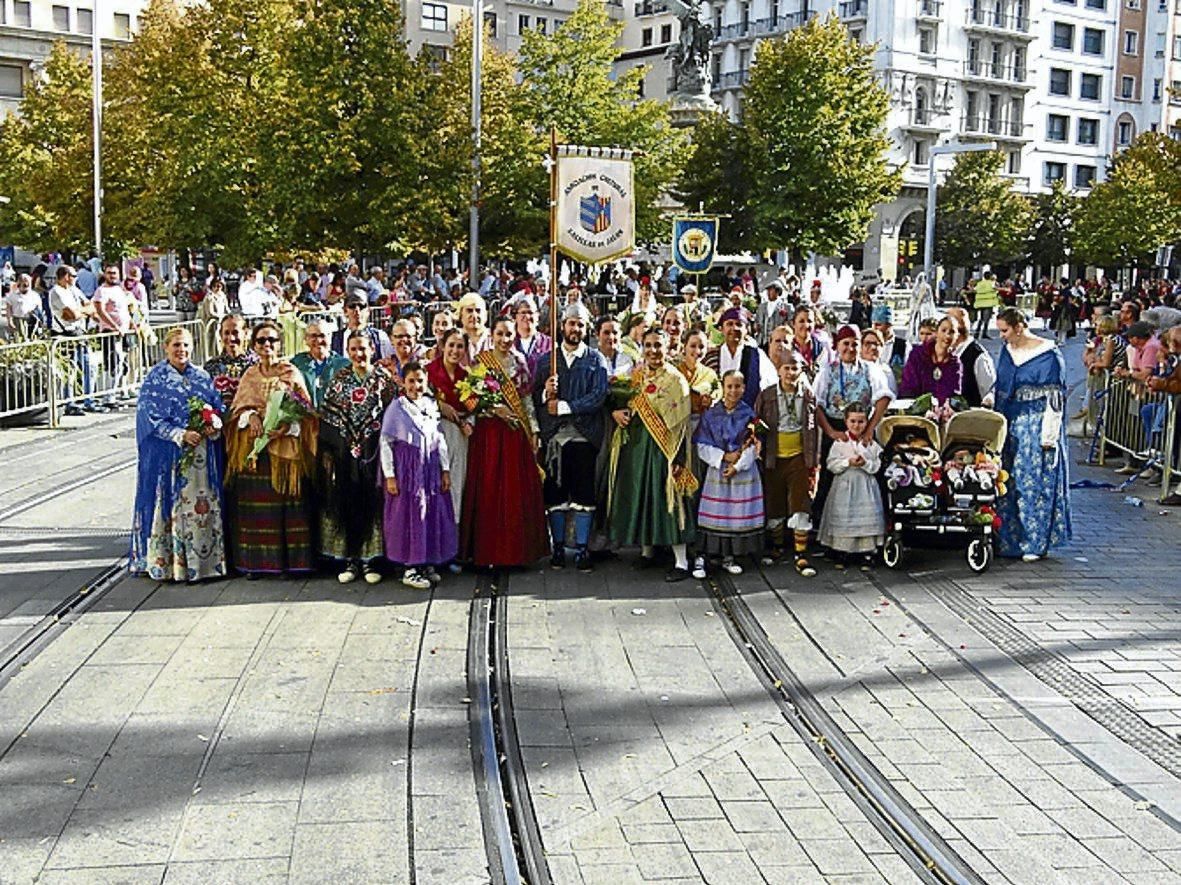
971	389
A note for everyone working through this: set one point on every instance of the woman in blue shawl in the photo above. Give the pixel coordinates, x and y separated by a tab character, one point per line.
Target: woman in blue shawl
177	531
1031	394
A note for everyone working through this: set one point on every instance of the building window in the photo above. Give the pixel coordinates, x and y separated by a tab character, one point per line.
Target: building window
1090	85
1092	41
1063	36
490	23
1131	42
646	37
1133	4
85	18
22	13
522	24
123	26
61	18
1123	133
1013	167
1127	87
541	25
11	81
1177	44
1084	176
1056	125
666	33
926	41
921	153
436	56
1053	172
640	88
1157	87
715	68
1059	81
434	17
1096	4
1088	131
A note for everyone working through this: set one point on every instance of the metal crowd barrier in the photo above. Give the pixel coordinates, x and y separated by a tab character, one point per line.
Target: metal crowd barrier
1138	422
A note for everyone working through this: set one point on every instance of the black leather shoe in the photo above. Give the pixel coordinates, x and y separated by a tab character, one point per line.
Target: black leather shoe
582	560
644	562
557	559
1173	500
675	575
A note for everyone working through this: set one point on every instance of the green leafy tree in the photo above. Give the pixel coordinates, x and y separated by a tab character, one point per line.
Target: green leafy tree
814	120
567	83
717	177
1137	209
344	138
46	159
979	218
511	151
1051	239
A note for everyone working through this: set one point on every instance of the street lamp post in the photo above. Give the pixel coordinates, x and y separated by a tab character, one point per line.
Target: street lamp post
96	64
474	219
929	231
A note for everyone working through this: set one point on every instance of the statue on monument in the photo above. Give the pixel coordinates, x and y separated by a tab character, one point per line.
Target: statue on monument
690	55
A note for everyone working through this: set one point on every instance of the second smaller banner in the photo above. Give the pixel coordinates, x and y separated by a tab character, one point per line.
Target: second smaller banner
694	242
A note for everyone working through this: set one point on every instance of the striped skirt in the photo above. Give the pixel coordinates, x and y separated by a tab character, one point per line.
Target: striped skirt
731	516
271	534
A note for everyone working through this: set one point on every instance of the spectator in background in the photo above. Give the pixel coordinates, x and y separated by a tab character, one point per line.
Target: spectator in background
87	281
22	308
985	302
979	369
356	313
113	312
375	289
70	313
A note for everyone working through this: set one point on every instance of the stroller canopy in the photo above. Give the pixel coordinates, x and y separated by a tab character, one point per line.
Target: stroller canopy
980	426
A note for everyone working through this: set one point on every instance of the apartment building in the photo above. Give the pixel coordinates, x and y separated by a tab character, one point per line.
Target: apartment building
431	26
28	28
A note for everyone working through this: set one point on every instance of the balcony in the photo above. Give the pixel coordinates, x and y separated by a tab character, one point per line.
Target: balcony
984	126
994	21
924	120
732	80
852	9
1019	182
647	7
735	31
1013	75
930	9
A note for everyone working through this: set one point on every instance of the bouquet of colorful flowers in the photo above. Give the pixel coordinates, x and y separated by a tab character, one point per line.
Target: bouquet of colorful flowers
202	417
479	391
285	406
754	430
621	389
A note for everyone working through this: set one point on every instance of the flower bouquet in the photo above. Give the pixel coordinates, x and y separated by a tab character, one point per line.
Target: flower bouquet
202	417
621	389
927	406
284	406
480	391
754	431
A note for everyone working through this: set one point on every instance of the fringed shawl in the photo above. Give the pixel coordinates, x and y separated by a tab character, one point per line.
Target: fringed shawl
292	457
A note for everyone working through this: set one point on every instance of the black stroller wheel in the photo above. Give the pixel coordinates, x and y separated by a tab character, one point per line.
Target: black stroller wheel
979	554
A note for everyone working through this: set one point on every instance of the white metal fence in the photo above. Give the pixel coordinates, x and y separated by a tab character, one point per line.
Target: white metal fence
1143	425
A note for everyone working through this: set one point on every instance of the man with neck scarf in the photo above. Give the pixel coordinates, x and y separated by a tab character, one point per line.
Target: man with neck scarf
569	409
735	353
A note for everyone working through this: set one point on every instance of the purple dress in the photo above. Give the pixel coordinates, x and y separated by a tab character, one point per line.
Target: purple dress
921	375
419	521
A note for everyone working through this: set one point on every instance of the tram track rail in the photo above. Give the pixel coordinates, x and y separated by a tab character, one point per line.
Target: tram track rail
85	475
926	852
512	837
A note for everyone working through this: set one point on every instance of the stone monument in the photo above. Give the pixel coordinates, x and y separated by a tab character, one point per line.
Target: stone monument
690	82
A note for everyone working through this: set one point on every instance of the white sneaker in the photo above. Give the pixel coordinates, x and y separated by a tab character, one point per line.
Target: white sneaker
347	576
372	576
732	567
1030	557
699	568
415	580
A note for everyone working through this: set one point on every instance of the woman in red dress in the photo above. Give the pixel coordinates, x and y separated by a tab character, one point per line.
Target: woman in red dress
443	373
503	520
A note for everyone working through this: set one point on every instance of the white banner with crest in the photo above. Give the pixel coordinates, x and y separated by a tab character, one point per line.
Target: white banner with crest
596	208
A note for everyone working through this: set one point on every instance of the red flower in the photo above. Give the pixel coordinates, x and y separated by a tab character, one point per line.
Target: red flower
650	388
359	395
996	522
207	415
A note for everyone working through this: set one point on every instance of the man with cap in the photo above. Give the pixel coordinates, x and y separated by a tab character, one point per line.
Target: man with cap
570	418
695	311
473	316
735	353
356	314
892	356
775	310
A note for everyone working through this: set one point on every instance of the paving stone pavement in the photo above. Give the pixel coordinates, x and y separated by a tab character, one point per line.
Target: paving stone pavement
242	732
653	752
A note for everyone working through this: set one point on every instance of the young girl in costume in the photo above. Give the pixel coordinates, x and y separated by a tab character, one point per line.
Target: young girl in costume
419	518
852	521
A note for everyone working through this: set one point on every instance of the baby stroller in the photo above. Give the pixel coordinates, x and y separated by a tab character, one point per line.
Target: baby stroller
952	500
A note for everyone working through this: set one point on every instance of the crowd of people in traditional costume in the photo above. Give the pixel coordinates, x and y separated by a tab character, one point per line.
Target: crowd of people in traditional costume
703	438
